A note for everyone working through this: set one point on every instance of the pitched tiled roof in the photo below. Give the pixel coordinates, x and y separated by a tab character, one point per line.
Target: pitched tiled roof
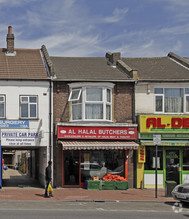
26	64
94	68
158	68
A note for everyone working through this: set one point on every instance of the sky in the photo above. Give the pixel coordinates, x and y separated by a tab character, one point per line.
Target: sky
90	28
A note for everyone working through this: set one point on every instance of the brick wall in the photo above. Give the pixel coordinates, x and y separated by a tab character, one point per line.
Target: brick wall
61	104
123	100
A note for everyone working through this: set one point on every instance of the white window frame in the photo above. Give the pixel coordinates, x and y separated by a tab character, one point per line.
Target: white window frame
4	102
163	99
29	103
104	102
78	96
185	95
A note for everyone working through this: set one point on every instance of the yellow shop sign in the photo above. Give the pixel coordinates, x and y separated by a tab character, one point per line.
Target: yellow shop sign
141	154
164	123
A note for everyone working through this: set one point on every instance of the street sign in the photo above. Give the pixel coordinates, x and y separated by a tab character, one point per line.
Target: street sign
157	139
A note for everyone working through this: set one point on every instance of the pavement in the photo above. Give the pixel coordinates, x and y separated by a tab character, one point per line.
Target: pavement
79	194
17	186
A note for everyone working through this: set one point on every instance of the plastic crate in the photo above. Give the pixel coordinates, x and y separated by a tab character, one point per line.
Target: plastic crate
92	185
121	185
108	185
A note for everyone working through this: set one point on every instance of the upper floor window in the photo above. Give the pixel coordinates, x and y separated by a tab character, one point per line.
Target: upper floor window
28	107
171	100
91	103
2	106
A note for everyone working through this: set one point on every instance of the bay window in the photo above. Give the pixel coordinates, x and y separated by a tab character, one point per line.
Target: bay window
91	103
171	100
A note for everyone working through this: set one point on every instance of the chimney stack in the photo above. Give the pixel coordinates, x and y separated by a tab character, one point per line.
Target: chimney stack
113	57
10	40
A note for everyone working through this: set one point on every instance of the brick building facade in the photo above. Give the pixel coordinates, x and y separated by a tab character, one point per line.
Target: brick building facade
93	117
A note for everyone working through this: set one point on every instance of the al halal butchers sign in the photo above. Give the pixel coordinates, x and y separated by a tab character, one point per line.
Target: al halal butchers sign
114	133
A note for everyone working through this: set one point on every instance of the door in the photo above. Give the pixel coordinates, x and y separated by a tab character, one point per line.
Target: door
71	168
172	166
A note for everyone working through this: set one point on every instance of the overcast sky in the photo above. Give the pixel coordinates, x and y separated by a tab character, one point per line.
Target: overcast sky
90	28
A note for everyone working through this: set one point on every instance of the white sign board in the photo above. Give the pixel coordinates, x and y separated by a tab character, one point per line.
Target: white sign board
18	137
157	139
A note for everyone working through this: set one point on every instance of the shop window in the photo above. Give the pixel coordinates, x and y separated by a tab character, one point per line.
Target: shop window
28	107
150	159
186	159
171	100
98	163
91	102
2	106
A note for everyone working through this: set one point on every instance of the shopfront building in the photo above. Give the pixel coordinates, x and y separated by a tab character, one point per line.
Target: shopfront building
173	150
93	151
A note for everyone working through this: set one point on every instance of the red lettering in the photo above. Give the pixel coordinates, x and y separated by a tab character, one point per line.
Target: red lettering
185	122
159	125
176	122
151	121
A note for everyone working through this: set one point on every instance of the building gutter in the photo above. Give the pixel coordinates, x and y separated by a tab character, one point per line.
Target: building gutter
91	80
163	80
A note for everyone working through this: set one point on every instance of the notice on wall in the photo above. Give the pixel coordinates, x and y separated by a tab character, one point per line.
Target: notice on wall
154	163
17	137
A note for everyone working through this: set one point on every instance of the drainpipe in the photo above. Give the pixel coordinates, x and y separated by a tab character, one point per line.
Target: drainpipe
50	119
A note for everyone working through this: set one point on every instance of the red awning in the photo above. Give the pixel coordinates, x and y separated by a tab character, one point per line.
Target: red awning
97	145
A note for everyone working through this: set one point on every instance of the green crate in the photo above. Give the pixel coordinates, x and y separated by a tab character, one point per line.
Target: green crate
108	185
121	185
92	185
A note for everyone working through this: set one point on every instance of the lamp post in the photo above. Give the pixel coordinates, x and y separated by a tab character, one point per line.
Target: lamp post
157	141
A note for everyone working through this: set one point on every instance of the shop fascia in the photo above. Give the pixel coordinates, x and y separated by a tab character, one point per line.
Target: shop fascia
97	132
170	127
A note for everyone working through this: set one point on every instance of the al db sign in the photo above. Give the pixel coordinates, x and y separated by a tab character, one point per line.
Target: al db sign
164	123
114	133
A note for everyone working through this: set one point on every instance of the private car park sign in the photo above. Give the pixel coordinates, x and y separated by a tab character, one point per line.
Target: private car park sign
14	137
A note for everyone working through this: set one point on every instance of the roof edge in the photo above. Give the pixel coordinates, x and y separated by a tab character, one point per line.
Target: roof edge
178	59
48	60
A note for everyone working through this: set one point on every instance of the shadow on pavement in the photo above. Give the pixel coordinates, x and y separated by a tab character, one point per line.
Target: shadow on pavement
14	178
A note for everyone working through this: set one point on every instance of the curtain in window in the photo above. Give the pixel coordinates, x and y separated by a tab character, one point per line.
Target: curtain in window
93	94
187	103
93	111
159	103
76	112
173	100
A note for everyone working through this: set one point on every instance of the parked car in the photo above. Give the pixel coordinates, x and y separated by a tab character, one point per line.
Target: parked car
181	192
89	170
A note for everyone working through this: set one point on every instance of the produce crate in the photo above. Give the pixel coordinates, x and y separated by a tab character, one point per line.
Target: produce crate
92	185
108	185
121	185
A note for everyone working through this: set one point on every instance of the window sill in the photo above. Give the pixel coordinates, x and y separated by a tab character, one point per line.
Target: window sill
28	118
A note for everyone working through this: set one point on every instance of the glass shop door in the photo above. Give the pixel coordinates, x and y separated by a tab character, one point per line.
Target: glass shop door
71	168
172	166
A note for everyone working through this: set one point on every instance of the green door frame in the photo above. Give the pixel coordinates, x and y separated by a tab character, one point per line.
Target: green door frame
180	161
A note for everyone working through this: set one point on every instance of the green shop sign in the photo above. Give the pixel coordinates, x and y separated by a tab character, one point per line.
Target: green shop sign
165	143
165	135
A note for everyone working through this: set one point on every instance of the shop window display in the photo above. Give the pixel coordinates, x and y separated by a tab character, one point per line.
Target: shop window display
186	159
98	163
150	158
